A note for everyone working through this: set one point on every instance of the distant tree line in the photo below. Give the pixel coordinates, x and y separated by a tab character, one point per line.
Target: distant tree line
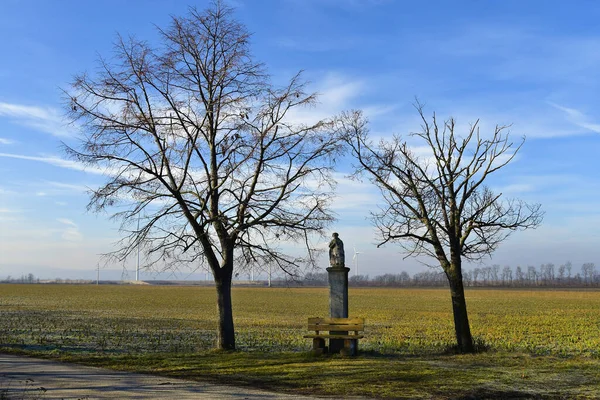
546	275
29	278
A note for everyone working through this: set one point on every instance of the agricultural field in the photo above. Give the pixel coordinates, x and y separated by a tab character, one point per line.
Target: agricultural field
132	319
529	335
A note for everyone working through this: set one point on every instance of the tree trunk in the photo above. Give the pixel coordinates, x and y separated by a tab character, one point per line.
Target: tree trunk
226	332
461	319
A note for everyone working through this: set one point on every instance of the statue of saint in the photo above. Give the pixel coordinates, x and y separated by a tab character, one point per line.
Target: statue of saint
336	251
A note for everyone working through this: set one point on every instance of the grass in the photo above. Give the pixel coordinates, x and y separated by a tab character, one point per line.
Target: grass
491	375
543	344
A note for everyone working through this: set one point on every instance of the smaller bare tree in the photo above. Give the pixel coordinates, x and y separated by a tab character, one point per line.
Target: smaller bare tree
438	206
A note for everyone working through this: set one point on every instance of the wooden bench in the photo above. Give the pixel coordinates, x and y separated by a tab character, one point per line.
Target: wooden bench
343	334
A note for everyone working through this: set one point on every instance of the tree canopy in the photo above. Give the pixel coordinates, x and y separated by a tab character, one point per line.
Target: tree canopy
202	151
437	204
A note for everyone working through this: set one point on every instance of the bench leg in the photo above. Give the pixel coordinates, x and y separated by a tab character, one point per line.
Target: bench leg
350	347
319	346
353	347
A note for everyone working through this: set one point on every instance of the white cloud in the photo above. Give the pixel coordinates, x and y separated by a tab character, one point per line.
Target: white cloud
376	110
8	211
44	119
71	233
320	45
68	186
533	118
21	111
335	92
578	118
6	141
6	197
57	162
66	221
517	188
354	195
11	215
520	66
518	52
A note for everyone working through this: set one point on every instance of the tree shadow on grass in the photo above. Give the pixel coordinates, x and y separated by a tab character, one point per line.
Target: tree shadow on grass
485	394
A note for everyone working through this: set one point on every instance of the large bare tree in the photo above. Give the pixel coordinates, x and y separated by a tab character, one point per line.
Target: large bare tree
436	204
203	153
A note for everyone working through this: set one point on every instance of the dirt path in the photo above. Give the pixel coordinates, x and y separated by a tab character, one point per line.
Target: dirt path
32	378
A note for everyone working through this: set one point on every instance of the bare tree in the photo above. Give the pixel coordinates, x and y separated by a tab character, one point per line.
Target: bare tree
532	275
438	206
519	275
494	269
561	273
201	149
476	273
507	275
588	270
547	273
468	278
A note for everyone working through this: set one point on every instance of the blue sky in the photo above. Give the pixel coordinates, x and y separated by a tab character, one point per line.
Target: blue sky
532	64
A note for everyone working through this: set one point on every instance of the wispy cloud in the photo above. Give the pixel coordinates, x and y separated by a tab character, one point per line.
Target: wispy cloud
354	194
318	46
66	221
8	211
325	5
57	162
7	192
26	189
375	110
516	189
534	118
68	186
520	52
6	141
71	232
578	118
337	91
43	119
508	72
10	214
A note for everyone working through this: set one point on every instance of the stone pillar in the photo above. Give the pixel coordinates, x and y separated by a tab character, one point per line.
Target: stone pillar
338	302
338	288
338	292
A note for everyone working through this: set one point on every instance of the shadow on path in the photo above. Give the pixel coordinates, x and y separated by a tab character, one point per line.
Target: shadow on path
31	378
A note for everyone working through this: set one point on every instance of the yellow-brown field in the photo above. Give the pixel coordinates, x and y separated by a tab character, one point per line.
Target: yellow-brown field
142	319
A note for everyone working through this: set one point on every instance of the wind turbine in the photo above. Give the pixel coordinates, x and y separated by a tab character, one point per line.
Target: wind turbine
355	259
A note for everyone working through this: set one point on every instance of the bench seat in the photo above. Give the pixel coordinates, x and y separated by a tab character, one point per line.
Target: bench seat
334	336
343	334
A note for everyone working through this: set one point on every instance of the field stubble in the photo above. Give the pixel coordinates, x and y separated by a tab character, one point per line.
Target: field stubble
544	343
142	319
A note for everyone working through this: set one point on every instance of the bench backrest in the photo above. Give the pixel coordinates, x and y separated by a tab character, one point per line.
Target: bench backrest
336	324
